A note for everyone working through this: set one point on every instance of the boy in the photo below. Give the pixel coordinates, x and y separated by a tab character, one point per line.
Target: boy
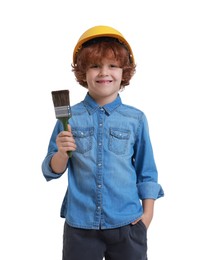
112	176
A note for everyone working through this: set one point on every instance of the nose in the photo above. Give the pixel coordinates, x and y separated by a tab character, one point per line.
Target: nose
103	71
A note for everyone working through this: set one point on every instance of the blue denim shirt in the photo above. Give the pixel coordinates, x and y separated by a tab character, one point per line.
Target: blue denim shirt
112	169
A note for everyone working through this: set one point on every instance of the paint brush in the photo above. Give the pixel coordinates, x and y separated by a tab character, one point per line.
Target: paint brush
62	108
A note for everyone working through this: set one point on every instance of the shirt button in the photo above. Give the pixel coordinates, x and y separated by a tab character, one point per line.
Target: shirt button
98	207
99	186
100	124
99	164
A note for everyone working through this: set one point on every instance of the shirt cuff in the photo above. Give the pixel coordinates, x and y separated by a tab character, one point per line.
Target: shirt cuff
150	190
47	170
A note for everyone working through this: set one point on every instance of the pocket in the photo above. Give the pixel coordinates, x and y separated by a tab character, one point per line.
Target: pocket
141	223
83	138
118	140
138	233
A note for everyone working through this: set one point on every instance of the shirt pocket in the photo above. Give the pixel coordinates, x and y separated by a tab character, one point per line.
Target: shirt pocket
118	140
83	138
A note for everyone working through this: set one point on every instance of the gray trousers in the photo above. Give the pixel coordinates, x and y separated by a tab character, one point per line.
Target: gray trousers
124	243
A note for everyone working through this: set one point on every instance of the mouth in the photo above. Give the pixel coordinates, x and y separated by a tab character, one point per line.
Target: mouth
104	81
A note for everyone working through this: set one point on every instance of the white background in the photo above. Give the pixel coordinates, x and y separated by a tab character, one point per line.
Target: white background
168	39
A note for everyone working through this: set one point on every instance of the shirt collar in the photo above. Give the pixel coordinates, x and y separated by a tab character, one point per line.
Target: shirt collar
92	106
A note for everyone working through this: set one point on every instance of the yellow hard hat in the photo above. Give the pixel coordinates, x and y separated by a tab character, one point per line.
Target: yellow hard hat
101	31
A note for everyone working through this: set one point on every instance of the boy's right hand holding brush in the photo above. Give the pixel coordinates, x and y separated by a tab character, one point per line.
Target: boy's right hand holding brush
65	142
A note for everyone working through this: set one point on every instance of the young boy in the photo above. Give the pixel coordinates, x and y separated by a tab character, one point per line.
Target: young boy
112	176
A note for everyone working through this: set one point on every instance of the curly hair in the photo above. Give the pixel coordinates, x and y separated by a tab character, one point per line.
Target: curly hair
95	52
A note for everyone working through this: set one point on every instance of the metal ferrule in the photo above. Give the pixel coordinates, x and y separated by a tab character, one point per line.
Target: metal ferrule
63	111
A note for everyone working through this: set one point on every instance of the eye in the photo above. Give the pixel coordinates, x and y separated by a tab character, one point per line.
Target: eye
93	66
114	66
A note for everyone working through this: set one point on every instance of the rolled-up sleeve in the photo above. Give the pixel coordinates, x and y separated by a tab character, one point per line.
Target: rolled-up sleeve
146	170
150	190
52	149
47	170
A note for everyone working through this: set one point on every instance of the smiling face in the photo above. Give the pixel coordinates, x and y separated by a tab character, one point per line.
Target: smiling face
109	62
104	80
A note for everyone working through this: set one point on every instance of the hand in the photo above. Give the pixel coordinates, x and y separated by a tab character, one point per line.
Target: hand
146	219
65	141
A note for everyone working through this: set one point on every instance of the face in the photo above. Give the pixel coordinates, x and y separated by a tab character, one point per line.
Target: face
104	81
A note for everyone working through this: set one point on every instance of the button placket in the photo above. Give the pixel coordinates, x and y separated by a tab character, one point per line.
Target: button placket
99	163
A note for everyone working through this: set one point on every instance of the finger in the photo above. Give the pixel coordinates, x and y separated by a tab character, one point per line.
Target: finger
136	221
69	128
65	134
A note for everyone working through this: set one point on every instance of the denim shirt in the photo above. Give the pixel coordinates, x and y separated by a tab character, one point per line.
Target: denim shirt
112	169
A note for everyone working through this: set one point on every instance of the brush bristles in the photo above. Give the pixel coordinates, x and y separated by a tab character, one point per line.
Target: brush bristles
61	98
61	103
